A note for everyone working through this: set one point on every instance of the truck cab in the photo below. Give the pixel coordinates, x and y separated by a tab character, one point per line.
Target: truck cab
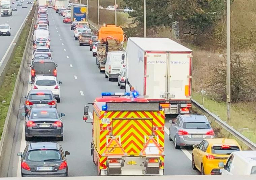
6	9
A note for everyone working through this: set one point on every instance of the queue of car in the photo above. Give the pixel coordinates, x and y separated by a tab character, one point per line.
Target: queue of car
42	119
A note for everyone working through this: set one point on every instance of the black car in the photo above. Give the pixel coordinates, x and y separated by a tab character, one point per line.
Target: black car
44	122
45	67
43	98
44	159
94	39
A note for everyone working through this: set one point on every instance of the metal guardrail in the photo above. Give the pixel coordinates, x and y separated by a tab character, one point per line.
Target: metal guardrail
7	139
224	125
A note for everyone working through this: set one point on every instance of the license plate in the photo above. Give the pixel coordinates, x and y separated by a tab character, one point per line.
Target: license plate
44	125
131	163
44	168
197	136
41	105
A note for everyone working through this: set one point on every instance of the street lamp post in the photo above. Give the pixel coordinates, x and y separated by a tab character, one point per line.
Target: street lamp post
98	12
145	19
87	9
228	62
115	14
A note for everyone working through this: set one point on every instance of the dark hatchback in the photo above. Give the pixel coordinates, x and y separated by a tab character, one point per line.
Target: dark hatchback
45	67
43	98
44	122
44	159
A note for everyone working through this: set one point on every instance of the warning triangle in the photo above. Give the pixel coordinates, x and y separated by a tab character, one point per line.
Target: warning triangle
114	148
151	148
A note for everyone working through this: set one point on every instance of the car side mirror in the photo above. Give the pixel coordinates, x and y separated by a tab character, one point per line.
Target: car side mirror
67	153
19	154
86	113
56	65
62	114
60	82
221	165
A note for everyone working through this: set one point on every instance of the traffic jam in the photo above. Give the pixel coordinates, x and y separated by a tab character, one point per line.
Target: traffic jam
128	130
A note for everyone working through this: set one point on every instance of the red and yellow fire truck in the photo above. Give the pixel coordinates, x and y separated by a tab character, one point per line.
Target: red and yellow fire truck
127	135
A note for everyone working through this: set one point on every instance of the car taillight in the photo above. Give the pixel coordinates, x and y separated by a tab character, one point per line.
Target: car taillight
52	103
184	109
210	157
210	133
55	72
182	132
94	47
63	165
90	42
109	69
56	87
58	124
35	87
30	124
28	103
225	146
33	72
25	166
49	54
122	79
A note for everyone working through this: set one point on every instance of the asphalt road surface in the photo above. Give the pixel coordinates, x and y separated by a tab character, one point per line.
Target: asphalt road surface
82	82
15	21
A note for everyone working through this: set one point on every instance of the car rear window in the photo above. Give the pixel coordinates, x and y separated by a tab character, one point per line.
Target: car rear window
44	67
253	171
41	43
41	57
45	82
44	155
224	150
44	115
42	50
40	96
94	39
196	125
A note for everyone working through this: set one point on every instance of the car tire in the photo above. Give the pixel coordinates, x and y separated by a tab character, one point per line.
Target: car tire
90	49
175	143
202	169
58	100
80	44
109	79
193	163
106	76
60	138
27	138
118	83
121	87
9	34
170	139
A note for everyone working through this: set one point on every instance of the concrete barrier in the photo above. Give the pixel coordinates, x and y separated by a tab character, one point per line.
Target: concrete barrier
6	142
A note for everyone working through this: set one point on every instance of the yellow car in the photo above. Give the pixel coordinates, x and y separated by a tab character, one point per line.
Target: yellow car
207	155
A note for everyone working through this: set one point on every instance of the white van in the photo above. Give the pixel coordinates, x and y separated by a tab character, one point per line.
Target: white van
39	33
114	63
240	163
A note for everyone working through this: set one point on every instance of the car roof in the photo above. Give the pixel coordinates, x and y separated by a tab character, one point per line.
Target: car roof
222	141
34	91
5	24
45	78
43	145
193	118
44	109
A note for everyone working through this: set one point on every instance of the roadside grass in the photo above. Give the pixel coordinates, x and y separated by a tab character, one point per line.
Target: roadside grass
7	87
242	117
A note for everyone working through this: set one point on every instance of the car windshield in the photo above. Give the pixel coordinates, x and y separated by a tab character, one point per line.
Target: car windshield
4	27
40	96
45	82
43	115
196	125
44	155
5	6
224	150
253	171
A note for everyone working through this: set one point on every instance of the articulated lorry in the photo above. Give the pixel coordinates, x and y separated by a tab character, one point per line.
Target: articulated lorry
159	69
6	9
127	135
110	39
78	12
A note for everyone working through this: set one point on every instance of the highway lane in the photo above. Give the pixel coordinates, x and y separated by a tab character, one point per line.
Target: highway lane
15	21
82	82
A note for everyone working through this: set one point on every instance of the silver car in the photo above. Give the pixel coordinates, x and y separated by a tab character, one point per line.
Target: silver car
121	78
188	130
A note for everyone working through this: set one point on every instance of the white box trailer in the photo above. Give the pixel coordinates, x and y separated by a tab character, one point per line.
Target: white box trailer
160	70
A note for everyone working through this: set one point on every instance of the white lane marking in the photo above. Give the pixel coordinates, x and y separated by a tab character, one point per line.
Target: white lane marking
64	49
82	93
59	34
67	57
189	156
71	65
90	115
62	44
76	78
56	28
12	43
57	31
60	39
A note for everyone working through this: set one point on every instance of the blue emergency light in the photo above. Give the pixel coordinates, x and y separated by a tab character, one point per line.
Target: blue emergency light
115	94
135	94
104	108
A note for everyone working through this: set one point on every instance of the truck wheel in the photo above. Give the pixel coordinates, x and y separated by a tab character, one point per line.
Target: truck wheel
109	79
80	44
60	138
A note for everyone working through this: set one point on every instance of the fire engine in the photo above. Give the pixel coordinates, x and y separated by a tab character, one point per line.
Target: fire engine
127	135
